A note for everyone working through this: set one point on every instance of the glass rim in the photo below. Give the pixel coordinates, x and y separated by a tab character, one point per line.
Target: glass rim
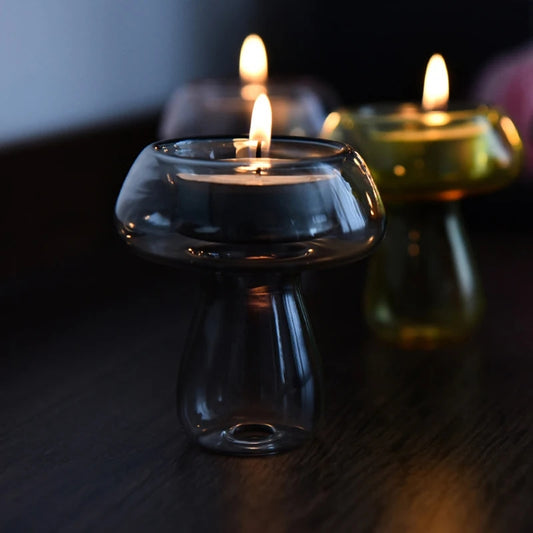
336	151
413	110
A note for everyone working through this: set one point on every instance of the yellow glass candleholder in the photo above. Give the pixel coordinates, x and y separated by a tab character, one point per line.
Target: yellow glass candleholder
423	289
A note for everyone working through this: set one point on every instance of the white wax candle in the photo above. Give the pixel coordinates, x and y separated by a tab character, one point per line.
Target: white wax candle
430	126
453	133
234	207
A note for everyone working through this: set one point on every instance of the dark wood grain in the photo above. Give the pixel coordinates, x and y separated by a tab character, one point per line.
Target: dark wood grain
410	441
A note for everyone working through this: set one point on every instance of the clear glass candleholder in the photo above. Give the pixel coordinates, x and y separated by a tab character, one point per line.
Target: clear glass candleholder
423	289
221	107
249	381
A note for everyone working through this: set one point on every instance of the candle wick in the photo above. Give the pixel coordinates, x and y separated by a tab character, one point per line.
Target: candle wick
258	149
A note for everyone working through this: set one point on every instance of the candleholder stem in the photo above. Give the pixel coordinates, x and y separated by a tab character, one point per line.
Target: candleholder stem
249	382
423	289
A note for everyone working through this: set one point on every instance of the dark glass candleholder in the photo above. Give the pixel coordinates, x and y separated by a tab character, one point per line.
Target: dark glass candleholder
249	379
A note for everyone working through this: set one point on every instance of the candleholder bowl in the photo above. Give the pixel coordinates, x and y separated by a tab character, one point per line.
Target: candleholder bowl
249	380
423	289
220	107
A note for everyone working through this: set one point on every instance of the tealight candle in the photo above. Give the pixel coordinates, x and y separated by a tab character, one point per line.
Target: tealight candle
422	288
222	107
432	151
254	204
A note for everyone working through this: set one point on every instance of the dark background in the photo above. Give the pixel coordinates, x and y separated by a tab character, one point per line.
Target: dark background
375	51
92	334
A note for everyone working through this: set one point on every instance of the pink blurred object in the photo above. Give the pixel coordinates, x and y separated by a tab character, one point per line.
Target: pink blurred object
507	82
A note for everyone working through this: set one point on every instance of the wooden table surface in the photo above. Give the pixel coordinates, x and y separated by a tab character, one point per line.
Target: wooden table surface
438	441
431	441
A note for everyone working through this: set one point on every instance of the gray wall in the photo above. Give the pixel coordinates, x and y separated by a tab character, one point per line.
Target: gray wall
68	64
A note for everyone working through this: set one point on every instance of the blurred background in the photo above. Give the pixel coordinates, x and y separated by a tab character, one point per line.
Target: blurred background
68	65
83	85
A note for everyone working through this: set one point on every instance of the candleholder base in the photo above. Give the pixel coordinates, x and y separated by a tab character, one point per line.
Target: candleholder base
423	289
249	379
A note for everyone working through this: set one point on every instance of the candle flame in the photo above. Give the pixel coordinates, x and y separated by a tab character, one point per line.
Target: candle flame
510	131
330	123
253	66
261	123
436	85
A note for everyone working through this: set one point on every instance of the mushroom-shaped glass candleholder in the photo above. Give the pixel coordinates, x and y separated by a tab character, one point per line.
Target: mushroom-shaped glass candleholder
249	382
422	288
